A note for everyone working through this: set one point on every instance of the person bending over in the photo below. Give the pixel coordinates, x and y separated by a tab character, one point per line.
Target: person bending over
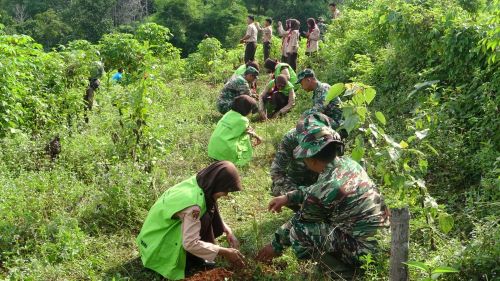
339	215
236	86
277	68
232	138
277	99
182	225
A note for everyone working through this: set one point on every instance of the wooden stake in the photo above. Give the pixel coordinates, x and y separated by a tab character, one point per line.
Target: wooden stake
400	230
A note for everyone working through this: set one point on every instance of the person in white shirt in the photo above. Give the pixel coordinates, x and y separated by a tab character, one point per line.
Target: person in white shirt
292	49
267	36
284	41
313	36
250	39
333	9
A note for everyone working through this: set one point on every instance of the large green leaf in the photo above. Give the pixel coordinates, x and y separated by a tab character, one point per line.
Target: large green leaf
446	222
334	92
445	269
369	94
351	122
358	153
417	264
380	117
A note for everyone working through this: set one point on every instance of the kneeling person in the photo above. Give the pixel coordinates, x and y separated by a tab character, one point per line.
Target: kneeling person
181	227
287	172
278	97
236	86
231	139
340	214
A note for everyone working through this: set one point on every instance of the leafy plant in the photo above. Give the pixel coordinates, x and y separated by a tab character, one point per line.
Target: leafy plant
431	273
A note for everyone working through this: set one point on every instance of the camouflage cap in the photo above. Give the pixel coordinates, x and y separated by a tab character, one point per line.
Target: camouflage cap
314	140
314	133
251	70
312	118
305	74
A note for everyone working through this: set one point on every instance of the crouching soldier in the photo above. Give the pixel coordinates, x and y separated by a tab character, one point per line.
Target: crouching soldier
340	213
288	173
238	85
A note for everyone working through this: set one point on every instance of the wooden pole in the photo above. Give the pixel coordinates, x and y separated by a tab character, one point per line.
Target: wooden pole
400	230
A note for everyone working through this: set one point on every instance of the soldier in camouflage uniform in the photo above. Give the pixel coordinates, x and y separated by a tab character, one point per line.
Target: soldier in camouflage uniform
287	172
238	85
307	79
340	214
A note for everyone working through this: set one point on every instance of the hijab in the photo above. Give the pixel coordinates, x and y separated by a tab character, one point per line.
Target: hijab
221	176
244	104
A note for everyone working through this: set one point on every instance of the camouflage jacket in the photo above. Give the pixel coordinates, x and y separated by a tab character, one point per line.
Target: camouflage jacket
332	110
287	172
236	86
343	196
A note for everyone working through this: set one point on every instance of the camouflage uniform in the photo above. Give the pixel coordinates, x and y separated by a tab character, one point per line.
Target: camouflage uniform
332	110
287	172
340	214
235	87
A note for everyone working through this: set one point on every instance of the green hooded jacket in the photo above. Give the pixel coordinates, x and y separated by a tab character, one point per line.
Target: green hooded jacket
230	140
160	239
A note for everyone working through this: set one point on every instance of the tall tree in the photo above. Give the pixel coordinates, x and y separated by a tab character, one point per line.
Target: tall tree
90	19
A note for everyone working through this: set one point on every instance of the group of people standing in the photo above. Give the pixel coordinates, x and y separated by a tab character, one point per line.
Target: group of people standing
337	209
290	35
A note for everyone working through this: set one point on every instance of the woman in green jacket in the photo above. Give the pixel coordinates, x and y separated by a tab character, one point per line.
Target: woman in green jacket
231	139
182	225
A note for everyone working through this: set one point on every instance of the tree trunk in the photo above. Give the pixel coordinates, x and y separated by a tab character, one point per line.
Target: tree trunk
400	230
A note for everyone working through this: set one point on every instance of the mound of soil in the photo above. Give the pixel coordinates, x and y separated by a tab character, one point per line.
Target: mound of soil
216	274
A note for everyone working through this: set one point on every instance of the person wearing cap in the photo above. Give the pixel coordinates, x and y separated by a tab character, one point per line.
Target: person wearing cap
278	97
250	39
278	68
288	173
180	229
339	215
241	71
236	86
308	81
231	139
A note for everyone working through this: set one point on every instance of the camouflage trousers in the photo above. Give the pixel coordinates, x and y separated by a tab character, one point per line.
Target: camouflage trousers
311	240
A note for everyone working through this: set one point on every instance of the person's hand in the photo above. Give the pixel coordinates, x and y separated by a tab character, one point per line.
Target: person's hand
242	41
233	256
256	140
232	240
277	203
266	254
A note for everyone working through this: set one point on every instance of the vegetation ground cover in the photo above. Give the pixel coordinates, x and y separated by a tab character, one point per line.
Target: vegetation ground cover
426	130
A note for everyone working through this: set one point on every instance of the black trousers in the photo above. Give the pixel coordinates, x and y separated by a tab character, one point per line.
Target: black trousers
292	60
267	50
250	49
